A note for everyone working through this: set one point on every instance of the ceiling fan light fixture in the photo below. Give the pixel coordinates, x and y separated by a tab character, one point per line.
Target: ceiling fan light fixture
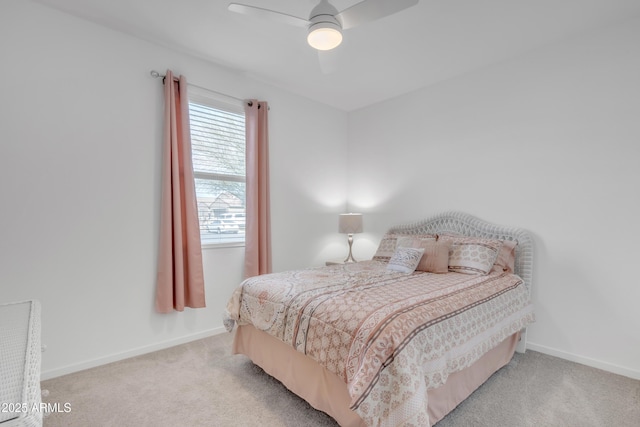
324	36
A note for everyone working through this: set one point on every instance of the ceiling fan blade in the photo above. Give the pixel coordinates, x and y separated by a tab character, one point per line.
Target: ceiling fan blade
370	10
269	14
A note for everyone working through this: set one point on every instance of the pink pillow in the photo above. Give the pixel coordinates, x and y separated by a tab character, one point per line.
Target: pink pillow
506	260
414	241
436	257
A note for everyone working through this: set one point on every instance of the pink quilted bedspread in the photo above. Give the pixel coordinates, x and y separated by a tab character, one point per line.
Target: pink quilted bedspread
390	336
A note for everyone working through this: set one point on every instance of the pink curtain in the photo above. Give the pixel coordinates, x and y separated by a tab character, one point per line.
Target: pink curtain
258	222
180	281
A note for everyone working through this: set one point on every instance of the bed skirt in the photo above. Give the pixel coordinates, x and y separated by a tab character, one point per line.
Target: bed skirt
327	392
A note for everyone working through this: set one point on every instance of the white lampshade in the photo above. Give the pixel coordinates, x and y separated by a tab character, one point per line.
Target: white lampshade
324	36
350	223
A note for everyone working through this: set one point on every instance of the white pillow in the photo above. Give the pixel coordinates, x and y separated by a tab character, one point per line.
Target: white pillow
472	258
405	260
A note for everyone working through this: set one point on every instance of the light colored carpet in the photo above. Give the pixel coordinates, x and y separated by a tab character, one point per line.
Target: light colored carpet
202	384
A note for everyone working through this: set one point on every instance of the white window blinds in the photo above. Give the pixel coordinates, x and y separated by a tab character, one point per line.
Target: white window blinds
218	150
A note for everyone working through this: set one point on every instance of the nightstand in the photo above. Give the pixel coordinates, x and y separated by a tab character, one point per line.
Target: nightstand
339	262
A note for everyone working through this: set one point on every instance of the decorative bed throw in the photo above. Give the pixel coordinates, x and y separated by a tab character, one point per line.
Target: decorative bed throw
390	336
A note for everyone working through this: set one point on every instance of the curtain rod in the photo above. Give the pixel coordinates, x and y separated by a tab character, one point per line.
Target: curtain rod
157	75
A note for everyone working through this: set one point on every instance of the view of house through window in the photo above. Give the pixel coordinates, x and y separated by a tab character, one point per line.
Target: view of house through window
218	148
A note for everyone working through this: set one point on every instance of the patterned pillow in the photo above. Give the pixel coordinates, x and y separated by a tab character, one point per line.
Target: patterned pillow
435	258
389	242
505	261
405	260
473	257
386	247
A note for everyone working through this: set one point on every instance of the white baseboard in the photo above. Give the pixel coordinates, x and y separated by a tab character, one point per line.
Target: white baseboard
605	366
69	369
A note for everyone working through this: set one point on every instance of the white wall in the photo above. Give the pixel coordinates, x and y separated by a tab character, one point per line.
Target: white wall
550	142
79	158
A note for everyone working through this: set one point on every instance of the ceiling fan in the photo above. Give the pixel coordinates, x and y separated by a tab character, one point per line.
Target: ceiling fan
325	23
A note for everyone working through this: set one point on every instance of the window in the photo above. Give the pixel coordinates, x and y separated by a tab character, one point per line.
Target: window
218	150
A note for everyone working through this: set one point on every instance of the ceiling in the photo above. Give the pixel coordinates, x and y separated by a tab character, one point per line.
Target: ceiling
420	46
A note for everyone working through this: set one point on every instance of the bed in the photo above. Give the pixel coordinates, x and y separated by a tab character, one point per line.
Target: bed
398	340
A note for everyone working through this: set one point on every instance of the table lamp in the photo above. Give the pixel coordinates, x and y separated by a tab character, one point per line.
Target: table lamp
350	223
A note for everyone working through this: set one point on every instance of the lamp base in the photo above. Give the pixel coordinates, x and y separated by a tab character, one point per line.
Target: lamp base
350	257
